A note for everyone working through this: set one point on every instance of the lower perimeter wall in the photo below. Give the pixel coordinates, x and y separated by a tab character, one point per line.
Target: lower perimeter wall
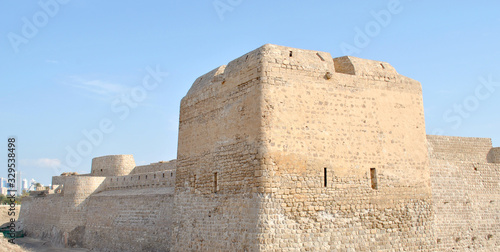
340	223
466	205
60	217
330	222
216	222
466	194
130	220
40	216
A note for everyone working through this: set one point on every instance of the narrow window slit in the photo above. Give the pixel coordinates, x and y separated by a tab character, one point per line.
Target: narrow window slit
215	182
325	177
373	175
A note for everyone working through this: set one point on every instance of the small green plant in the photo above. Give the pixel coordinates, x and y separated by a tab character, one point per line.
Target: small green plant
4	200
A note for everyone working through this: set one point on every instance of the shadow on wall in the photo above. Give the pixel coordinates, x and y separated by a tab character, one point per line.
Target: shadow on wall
61	217
75	219
494	155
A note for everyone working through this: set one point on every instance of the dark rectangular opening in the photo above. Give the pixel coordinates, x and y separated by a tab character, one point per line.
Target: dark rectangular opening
291	54
373	175
215	182
325	182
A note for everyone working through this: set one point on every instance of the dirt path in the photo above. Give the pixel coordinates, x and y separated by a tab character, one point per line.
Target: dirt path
6	246
37	245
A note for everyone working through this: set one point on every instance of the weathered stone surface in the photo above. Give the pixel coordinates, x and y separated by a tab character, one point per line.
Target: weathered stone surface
286	149
465	192
112	165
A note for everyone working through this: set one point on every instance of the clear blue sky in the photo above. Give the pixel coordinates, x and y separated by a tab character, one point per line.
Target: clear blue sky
65	68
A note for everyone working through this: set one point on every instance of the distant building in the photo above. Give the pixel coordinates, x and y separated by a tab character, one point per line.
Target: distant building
4	186
32	186
25	184
3	182
19	180
3	190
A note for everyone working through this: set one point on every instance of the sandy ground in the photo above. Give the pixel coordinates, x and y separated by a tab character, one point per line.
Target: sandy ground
6	246
5	220
27	244
4	214
30	244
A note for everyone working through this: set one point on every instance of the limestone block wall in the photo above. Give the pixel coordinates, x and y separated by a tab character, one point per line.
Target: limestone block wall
130	220
219	138
218	222
219	128
74	204
112	165
153	167
58	180
40	217
494	155
466	194
345	160
270	125
350	123
467	149
165	178
61	217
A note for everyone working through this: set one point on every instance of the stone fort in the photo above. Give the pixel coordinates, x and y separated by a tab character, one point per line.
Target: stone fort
284	149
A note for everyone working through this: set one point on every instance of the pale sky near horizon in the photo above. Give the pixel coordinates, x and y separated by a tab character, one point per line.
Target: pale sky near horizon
69	68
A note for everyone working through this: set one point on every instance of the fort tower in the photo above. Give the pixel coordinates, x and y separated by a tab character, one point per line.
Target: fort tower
290	146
